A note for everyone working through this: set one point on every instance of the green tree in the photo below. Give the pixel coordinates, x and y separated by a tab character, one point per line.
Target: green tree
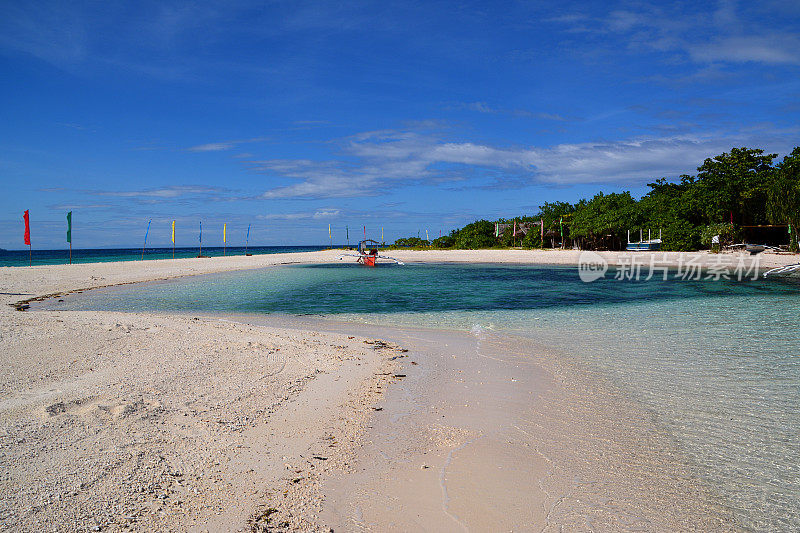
783	197
734	185
604	220
725	230
532	239
413	242
507	238
479	234
742	183
445	241
671	208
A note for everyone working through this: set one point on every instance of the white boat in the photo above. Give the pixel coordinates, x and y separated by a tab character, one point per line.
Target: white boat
644	245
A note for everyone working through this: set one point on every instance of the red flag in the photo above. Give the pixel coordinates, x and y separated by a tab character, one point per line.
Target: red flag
27	228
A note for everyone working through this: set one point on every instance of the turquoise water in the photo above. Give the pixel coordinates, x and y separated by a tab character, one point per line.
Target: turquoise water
717	362
105	255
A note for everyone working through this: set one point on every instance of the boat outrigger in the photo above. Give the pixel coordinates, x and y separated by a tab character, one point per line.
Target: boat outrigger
783	269
368	254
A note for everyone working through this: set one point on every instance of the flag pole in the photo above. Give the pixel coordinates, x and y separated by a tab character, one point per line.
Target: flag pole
224	238
514	234
27	237
69	234
145	238
173	239
201	239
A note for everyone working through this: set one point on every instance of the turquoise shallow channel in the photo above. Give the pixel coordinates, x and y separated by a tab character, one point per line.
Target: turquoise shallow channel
717	362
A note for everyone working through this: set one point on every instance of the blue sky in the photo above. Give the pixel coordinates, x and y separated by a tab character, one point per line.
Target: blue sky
407	116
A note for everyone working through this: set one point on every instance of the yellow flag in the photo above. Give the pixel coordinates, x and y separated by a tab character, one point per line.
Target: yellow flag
329	232
173	232
225	232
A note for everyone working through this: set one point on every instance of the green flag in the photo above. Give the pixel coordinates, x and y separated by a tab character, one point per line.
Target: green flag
69	227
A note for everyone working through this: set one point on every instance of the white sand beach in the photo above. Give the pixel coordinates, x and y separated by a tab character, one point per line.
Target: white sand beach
155	422
115	421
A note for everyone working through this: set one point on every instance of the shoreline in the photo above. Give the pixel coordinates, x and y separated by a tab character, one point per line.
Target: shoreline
150	346
55	280
573	450
152	421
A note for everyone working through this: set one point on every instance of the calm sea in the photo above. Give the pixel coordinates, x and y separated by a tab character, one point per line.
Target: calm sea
717	362
104	255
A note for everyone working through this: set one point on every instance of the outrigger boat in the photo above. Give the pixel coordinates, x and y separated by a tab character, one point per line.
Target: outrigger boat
755	249
649	245
368	254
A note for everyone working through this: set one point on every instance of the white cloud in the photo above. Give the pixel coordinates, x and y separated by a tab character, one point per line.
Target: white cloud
164	192
212	147
625	20
773	49
628	161
77	207
480	107
483	107
375	162
326	213
53	33
223	145
316	215
727	34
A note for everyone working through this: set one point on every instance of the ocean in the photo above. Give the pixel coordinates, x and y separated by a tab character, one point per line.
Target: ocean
717	362
105	255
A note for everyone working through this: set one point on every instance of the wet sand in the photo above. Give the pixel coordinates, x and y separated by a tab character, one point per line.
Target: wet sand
490	432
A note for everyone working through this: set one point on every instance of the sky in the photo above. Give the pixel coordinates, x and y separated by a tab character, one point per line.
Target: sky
406	116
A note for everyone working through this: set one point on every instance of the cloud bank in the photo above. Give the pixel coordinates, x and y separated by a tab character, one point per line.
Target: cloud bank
374	162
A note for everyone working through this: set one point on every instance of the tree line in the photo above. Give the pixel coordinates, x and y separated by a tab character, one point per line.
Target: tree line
743	187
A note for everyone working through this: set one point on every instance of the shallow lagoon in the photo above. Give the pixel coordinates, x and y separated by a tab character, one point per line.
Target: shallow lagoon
717	362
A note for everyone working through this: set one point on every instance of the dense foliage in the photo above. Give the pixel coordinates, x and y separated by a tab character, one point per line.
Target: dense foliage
412	242
479	234
730	191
